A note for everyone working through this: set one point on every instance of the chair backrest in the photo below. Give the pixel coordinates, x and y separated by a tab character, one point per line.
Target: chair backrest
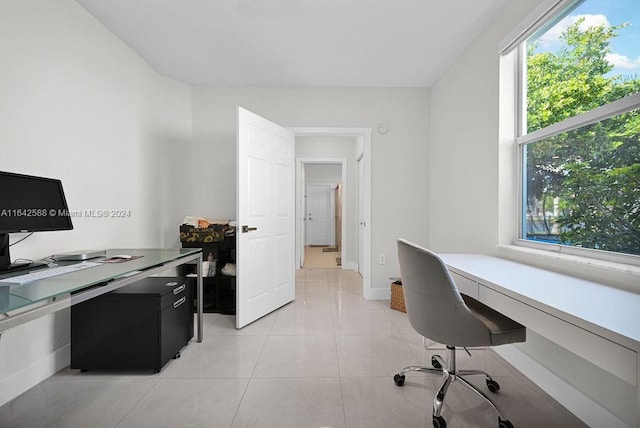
434	305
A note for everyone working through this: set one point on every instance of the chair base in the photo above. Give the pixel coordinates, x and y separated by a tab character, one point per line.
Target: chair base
450	373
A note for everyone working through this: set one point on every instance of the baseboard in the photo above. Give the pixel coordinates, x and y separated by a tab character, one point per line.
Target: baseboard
377	293
32	375
350	266
585	408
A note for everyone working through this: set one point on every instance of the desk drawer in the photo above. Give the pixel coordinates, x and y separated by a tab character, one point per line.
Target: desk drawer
609	355
466	285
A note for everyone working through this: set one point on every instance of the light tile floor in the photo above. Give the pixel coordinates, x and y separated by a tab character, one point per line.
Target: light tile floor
316	257
325	360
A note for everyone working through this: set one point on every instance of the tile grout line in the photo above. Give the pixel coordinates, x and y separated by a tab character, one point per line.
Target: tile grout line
335	341
138	402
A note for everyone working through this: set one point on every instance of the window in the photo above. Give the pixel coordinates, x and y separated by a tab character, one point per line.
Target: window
579	129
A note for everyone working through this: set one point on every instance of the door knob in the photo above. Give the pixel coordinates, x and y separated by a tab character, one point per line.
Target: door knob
246	228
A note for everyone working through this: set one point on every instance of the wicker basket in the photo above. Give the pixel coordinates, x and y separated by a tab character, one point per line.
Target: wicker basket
397	297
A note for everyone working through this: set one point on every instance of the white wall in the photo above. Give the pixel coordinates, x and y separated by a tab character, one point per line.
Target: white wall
323	173
79	105
472	200
463	156
399	204
336	147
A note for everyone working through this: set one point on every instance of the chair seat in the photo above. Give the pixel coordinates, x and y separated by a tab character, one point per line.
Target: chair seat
502	329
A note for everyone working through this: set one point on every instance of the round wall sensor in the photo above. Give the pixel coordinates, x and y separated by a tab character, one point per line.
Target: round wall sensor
382	128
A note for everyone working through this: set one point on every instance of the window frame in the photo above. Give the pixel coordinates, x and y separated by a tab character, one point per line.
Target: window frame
522	139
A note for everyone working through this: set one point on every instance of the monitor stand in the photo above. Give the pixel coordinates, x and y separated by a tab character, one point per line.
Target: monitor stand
5	259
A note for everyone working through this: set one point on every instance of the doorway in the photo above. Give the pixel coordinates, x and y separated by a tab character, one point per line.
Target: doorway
360	241
321	200
322	210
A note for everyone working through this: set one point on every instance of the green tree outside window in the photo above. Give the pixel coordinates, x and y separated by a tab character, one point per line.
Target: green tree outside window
582	186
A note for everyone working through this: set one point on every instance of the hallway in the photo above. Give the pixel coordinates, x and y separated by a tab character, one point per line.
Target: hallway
318	257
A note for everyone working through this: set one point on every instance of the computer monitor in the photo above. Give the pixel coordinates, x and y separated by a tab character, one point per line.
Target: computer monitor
29	204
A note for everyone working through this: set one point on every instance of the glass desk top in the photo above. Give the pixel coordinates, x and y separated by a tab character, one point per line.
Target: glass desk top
15	296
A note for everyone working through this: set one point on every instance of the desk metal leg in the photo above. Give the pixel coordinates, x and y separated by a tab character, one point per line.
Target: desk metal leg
200	298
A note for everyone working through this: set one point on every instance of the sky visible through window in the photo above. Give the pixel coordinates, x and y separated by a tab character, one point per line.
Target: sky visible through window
625	49
582	177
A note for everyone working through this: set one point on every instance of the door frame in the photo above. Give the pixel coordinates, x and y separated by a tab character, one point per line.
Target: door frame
301	187
361	222
365	135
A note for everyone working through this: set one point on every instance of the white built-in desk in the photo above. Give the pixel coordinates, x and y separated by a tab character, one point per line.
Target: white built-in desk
597	322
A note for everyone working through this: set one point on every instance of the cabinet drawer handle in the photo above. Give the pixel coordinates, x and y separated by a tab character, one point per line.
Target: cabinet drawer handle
179	301
180	289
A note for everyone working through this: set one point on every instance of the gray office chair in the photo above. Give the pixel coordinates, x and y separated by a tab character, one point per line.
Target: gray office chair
438	311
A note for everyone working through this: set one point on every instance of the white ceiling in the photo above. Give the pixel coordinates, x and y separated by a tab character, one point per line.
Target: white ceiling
297	42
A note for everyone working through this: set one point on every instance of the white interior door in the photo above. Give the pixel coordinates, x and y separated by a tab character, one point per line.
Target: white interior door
319	214
265	240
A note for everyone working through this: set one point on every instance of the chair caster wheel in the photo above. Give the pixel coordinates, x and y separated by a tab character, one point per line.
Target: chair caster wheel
439	422
398	379
493	386
435	363
504	424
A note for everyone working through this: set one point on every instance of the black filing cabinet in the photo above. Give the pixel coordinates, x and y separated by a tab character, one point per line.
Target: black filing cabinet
138	327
